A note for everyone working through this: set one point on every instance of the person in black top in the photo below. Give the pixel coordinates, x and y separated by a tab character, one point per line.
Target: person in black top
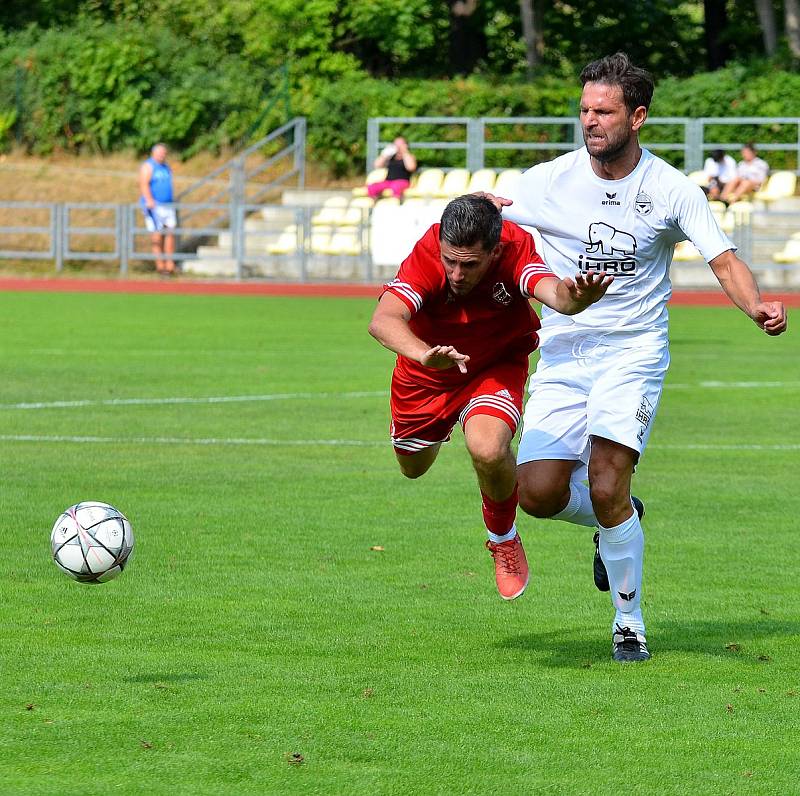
399	163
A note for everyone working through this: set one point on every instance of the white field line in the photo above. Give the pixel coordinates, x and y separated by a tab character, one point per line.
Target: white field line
289	396
734	385
358	443
213	399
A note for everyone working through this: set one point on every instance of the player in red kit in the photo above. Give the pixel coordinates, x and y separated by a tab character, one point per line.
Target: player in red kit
458	317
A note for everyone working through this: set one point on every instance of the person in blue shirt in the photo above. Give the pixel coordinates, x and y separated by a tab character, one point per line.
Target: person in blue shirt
155	186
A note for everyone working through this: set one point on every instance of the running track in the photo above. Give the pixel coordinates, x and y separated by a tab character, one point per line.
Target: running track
180	287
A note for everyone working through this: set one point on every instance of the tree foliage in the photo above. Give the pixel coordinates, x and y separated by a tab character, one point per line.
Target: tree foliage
107	74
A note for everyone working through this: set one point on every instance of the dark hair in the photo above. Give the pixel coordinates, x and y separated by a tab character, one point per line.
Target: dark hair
469	220
718	155
617	70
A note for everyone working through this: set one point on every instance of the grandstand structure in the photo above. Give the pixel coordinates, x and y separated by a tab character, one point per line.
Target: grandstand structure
254	217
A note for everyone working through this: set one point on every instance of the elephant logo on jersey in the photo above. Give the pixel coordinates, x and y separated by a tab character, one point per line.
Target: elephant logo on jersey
643	204
608	240
501	295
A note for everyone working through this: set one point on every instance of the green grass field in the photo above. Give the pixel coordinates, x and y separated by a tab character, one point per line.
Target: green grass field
259	644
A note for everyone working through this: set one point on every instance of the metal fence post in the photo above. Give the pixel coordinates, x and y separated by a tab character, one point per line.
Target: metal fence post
373	138
304	226
476	129
122	238
59	215
300	151
237	237
577	134
694	145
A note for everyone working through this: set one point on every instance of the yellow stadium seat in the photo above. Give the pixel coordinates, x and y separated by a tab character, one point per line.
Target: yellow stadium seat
506	181
428	183
779	185
455	183
376	175
286	242
481	180
345	240
320	240
790	252
333	211
685	251
698	178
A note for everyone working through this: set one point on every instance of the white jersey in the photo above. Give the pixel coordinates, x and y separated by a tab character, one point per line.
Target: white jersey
626	227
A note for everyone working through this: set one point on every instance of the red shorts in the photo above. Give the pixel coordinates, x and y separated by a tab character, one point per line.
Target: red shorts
423	416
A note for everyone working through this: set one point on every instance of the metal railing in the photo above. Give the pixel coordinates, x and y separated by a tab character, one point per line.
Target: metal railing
241	175
253	243
691	139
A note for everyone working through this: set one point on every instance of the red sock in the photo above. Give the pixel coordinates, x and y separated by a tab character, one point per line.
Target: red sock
499	515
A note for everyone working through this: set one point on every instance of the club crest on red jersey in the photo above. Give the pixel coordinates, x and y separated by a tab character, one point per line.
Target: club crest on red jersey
501	295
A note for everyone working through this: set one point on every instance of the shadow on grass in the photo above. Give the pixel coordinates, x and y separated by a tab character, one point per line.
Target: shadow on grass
747	642
165	677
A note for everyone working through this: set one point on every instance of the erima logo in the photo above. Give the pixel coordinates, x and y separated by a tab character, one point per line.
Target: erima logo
627	597
611	199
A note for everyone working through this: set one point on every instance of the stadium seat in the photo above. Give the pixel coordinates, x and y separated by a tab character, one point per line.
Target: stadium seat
454	184
320	240
790	252
286	242
685	251
428	183
481	180
506	180
779	185
376	175
698	178
333	211
345	240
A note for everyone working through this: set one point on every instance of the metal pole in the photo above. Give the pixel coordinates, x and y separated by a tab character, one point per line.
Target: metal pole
300	151
122	239
373	138
475	134
59	235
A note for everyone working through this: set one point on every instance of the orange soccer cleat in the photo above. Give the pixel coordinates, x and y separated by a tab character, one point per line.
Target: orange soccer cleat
510	567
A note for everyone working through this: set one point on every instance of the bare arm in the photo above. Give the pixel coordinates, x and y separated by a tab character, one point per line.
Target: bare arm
571	296
389	326
740	286
145	173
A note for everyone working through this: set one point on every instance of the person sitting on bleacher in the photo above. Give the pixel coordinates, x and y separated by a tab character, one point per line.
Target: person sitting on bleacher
400	164
750	176
720	169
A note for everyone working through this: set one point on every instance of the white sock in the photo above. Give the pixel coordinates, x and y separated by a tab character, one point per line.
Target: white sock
579	508
506	537
622	551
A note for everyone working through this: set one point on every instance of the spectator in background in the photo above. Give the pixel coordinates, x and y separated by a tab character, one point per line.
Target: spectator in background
720	169
750	175
155	186
399	163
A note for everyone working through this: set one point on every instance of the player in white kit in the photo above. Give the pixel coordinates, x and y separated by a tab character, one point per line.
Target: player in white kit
611	208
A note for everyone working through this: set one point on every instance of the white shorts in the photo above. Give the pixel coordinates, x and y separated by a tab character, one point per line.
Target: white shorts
591	388
159	218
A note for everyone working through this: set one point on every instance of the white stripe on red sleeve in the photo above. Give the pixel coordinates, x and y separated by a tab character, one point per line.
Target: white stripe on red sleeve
534	272
404	291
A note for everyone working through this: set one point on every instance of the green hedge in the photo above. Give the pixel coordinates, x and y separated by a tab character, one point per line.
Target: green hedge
106	87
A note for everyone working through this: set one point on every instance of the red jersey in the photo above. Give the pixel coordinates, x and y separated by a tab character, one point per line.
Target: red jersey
494	321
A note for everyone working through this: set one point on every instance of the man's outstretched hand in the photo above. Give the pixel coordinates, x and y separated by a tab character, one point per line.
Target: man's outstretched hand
585	289
498	201
442	357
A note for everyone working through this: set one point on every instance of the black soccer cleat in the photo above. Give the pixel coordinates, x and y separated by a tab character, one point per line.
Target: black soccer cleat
599	568
628	646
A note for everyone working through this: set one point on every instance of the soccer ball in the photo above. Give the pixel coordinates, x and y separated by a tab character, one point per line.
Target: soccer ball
91	542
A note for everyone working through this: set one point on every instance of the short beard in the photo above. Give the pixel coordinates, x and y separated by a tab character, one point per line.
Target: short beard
611	154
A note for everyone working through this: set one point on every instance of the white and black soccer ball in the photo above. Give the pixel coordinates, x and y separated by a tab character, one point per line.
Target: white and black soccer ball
92	542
